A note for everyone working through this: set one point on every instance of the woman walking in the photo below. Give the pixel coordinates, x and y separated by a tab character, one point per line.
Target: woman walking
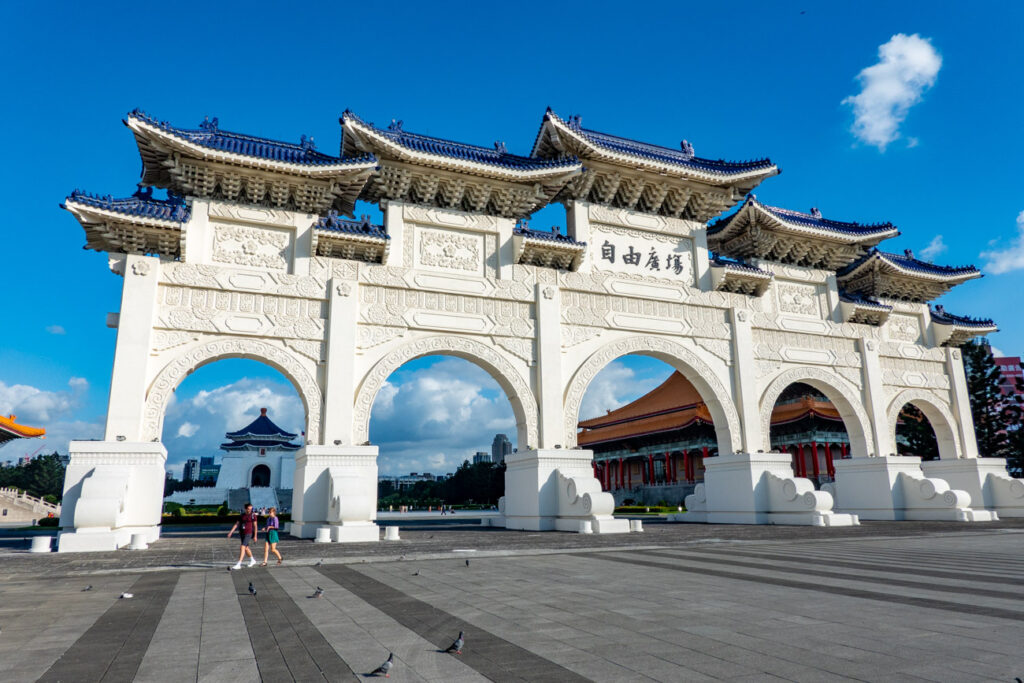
270	545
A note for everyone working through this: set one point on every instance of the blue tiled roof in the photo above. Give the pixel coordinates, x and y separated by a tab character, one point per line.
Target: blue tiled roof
211	136
719	260
860	300
257	443
362	227
679	157
140	204
496	156
546	235
939	315
261	426
813	220
907	261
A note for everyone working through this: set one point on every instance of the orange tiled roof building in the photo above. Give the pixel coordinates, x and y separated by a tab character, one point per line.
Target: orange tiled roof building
11	430
664	436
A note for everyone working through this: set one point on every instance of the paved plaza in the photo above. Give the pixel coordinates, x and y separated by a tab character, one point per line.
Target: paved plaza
880	602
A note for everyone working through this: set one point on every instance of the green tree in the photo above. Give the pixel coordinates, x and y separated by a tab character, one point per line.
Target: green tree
918	433
41	476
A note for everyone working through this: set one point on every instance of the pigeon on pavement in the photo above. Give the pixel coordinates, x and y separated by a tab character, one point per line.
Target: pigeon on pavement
125	596
318	593
252	589
87	588
456	647
467	563
385	667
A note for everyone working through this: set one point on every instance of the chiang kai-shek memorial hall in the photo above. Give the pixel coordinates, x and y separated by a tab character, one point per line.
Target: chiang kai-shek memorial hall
250	255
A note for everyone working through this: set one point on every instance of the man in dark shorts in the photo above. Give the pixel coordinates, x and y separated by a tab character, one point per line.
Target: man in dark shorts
247	525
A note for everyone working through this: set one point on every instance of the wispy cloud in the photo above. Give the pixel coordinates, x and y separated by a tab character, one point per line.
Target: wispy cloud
188	430
40	406
56	329
907	66
934	248
1012	257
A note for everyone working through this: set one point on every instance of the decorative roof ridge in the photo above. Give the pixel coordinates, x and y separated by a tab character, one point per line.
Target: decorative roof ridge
643	416
684	156
265	427
737	264
303	153
141	203
907	261
812	219
429	144
861	300
522	228
939	315
363	227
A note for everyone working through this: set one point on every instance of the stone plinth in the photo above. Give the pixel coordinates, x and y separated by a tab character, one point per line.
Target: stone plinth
985	480
758	488
336	486
112	490
555	489
894	488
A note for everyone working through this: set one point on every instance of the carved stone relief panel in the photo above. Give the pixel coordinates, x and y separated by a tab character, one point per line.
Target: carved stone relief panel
903	327
780	346
228	312
907	372
603	310
799	298
644	221
255	247
449	250
431	310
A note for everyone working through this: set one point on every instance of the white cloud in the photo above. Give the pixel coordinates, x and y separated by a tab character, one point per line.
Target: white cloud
1011	258
934	248
998	353
907	66
37	406
615	386
187	429
56	329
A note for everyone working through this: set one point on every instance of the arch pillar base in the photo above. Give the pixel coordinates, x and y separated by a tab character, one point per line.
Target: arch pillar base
112	490
758	488
336	487
555	489
894	488
985	480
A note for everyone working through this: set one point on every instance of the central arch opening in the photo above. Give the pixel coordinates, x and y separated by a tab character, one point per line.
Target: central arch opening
806	424
260	476
443	426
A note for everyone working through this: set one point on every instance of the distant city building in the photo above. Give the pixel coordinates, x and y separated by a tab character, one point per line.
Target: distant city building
190	472
481	456
407	481
1010	374
208	469
500	447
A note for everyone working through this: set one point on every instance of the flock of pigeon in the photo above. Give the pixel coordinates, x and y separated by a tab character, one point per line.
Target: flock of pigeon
385	668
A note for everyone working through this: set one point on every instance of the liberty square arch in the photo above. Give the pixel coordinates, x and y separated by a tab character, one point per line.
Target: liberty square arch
249	256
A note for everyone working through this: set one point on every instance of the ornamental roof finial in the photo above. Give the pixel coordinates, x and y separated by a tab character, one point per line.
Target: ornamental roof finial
686	148
940	309
395	125
815	212
263	412
306	142
575	121
523	224
908	253
208	124
500	147
143	192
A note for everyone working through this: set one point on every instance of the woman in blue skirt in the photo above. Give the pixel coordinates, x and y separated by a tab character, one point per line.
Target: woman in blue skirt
270	545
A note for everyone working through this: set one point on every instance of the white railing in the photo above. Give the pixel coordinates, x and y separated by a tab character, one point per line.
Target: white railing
38	504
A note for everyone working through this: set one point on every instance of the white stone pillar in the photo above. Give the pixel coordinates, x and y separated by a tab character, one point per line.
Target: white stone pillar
961	403
303	243
701	260
506	250
881	441
548	371
129	378
394	223
577	217
339	397
744	376
336	487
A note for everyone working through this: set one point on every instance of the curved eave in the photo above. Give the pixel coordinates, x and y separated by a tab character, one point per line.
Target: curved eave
388	148
151	138
10	430
87	213
283	437
724	230
588	149
912	273
337	236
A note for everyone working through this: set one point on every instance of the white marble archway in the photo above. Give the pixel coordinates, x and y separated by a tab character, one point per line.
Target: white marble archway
179	367
845	397
516	387
688	363
938	414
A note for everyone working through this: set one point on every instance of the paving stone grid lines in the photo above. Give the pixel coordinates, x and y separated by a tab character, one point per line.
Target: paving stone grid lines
929	602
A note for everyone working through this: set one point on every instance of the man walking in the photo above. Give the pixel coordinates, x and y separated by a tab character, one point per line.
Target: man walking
248	523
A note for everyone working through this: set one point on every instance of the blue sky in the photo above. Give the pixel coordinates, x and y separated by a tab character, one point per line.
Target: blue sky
750	80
